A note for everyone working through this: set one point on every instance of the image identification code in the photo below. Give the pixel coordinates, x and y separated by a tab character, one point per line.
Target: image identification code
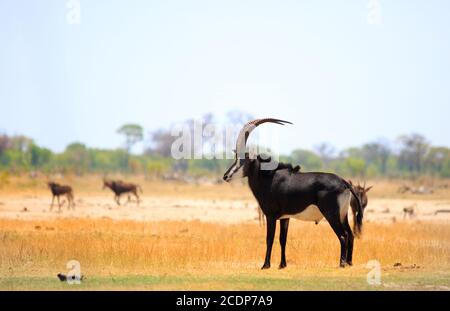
232	300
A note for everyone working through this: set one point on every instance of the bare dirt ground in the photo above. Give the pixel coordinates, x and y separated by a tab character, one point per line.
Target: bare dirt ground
150	209
154	208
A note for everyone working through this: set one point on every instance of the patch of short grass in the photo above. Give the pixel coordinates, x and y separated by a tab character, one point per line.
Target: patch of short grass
439	280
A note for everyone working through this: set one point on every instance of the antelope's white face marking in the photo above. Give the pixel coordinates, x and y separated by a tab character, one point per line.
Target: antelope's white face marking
344	202
311	213
235	170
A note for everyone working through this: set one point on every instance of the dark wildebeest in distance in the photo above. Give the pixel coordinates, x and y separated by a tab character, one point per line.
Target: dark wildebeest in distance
57	191
361	192
119	187
409	211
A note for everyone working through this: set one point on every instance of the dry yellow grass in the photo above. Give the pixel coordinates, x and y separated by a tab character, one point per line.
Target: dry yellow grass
105	247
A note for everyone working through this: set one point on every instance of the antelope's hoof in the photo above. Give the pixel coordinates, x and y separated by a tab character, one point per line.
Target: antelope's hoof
342	265
265	266
282	265
350	263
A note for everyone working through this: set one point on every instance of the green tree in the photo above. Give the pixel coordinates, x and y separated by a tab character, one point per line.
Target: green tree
413	152
14	160
377	153
39	157
308	160
437	160
76	157
326	153
355	166
133	133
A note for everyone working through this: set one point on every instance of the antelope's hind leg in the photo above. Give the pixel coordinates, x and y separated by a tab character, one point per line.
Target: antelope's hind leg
339	230
137	197
68	202
331	209
71	202
59	203
350	240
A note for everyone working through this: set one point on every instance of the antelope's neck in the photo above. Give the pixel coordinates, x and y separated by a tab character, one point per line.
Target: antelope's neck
256	186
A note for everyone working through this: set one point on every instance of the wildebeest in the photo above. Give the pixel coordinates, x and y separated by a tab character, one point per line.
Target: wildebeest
409	211
119	187
57	191
283	192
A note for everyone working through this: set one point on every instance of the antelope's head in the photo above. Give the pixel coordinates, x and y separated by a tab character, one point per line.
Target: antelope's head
361	191
106	183
242	159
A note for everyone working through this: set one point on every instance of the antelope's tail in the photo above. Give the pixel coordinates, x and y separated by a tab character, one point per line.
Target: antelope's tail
357	228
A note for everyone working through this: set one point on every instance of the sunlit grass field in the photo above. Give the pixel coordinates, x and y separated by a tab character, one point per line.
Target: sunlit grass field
196	255
116	253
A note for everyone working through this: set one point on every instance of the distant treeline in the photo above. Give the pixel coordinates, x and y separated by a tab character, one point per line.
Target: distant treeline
412	155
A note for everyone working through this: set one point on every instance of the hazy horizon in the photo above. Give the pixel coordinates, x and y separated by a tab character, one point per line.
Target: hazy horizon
319	64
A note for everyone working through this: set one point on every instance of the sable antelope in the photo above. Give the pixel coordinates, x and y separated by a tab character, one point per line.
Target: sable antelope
261	217
57	191
119	187
284	193
361	192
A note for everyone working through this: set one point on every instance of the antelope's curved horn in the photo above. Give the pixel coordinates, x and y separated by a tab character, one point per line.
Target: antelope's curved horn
248	128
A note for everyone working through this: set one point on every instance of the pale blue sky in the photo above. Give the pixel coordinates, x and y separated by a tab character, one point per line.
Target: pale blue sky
316	63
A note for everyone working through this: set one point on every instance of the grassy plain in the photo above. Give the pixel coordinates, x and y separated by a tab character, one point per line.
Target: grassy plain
208	253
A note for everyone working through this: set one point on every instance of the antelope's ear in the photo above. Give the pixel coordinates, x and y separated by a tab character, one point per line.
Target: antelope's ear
367	189
350	182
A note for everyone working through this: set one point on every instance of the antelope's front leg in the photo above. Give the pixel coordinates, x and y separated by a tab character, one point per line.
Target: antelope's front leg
271	227
51	205
59	204
284	225
138	200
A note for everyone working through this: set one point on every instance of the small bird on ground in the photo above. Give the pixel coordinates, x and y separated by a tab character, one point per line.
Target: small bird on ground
63	277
